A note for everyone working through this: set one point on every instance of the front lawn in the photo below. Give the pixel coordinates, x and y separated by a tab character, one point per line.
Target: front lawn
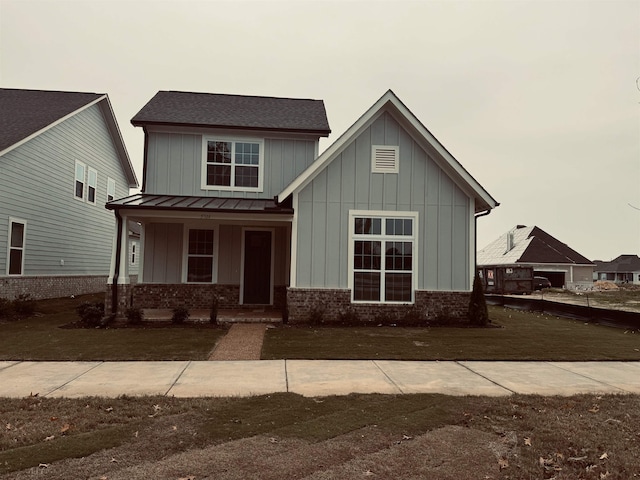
41	338
521	336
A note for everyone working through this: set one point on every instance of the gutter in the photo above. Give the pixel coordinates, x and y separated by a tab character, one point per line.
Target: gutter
475	238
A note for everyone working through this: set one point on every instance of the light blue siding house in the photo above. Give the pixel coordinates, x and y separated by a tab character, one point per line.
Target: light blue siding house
61	159
237	204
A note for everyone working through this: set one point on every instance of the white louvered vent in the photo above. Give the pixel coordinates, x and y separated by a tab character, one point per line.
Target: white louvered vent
384	159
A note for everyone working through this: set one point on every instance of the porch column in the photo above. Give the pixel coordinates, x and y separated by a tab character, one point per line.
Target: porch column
123	273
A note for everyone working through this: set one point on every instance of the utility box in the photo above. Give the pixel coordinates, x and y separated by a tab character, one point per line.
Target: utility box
507	280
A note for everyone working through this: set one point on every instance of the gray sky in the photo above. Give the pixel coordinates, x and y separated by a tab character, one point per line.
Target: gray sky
537	99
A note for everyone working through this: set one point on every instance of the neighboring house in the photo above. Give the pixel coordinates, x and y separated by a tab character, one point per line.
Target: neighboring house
549	257
624	269
61	159
237	203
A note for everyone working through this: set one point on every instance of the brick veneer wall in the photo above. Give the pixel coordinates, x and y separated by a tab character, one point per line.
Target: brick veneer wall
162	295
51	286
434	306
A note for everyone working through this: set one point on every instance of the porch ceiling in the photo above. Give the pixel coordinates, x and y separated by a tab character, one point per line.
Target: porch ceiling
199	204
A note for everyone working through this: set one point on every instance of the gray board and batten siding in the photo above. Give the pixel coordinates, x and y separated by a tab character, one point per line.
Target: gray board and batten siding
37	186
445	211
164	240
175	162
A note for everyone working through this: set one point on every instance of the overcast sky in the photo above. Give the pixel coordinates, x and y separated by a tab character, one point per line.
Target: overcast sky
538	100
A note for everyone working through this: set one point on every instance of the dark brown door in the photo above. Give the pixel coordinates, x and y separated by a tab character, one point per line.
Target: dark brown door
257	267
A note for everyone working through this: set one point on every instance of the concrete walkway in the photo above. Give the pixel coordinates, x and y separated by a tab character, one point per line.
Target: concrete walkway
314	378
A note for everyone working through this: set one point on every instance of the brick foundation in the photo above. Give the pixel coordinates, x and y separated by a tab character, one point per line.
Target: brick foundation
442	307
40	287
157	295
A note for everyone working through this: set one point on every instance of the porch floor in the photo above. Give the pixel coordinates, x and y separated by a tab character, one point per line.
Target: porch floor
258	315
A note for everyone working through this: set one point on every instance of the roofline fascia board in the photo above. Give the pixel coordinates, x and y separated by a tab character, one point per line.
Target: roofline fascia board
322	133
369	116
52	124
122	148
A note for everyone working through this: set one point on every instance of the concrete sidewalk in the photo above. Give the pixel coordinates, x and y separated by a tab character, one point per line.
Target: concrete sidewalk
314	378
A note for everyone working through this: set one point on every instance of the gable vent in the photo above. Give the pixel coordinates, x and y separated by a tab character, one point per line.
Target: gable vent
384	159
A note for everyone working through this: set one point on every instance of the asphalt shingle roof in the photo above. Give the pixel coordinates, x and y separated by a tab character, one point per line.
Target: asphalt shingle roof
529	245
234	111
25	112
621	264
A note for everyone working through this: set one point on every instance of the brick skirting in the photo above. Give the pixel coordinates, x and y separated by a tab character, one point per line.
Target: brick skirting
306	303
58	286
191	296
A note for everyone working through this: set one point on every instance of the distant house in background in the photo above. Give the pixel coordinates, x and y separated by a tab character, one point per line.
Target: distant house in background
549	257
61	159
624	269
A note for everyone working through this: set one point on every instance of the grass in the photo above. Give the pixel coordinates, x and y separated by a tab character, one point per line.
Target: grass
290	436
521	336
41	338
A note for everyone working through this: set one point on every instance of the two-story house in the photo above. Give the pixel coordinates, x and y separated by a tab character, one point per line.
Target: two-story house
61	159
237	203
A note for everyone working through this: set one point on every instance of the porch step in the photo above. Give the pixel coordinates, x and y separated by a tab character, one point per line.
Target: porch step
224	316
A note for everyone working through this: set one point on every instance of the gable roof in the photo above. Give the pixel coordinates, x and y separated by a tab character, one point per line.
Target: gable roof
621	264
390	102
529	245
234	112
24	114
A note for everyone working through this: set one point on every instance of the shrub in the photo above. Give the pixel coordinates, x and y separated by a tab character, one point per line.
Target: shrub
6	309
316	314
414	317
385	318
478	313
24	305
213	315
180	315
91	313
349	316
134	315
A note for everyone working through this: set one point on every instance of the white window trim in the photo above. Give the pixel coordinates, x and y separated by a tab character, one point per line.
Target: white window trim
385	166
13	220
234	140
84	180
111	188
94	186
185	250
414	257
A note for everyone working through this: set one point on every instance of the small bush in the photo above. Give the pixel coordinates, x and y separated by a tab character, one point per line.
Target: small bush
349	317
180	315
6	309
135	315
385	318
213	315
316	314
414	317
24	305
91	313
478	312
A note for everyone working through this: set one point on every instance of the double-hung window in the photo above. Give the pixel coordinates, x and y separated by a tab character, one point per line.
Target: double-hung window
92	185
200	256
383	256
80	180
111	189
17	233
230	164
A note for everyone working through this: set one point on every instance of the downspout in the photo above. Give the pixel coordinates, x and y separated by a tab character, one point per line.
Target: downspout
116	268
475	239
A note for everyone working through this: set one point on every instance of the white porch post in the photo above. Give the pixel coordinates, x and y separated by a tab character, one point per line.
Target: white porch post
112	264
123	274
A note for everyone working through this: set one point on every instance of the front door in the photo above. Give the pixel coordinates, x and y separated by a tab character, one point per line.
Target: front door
257	267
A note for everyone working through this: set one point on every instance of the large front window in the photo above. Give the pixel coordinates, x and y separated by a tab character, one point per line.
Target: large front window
383	257
232	164
200	256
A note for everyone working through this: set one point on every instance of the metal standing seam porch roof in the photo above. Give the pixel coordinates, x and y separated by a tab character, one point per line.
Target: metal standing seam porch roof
143	201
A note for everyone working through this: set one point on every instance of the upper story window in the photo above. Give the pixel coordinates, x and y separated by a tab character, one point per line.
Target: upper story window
111	189
231	164
92	185
80	180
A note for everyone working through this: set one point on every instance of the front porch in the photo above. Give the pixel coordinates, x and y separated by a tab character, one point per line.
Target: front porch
226	316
